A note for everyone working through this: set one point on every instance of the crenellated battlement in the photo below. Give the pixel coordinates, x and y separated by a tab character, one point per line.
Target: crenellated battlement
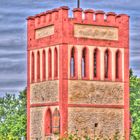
111	17
51	16
77	13
55	26
89	14
99	17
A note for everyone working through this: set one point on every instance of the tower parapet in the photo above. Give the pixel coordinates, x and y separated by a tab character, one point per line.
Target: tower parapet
51	16
77	13
57	17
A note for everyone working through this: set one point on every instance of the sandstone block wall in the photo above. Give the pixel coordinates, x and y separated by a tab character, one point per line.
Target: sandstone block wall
37	121
95	32
95	92
44	92
108	121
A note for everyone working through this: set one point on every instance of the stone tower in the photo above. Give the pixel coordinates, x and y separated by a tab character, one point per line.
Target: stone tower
78	74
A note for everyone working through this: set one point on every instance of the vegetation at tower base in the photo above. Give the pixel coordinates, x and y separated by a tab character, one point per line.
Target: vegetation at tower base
13	116
135	106
75	136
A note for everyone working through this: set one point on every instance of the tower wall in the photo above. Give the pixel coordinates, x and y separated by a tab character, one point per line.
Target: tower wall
103	97
108	121
37	127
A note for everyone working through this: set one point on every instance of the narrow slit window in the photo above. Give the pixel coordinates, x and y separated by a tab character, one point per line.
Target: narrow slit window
38	66
84	63
106	64
44	65
72	63
95	63
118	65
48	122
50	63
33	68
55	63
56	122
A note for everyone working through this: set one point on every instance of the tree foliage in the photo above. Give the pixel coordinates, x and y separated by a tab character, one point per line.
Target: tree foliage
13	116
135	106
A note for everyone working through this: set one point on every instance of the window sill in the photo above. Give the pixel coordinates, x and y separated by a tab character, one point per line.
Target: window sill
48	135
74	78
118	80
85	78
107	79
55	78
96	79
43	80
50	78
38	80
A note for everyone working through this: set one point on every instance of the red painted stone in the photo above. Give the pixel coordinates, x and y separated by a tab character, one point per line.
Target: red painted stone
63	36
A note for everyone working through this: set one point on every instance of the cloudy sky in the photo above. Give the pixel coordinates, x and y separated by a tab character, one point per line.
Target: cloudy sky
13	15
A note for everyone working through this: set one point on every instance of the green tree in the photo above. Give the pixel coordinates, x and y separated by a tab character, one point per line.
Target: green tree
13	116
135	106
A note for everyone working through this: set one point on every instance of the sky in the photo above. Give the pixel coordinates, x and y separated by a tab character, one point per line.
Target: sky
13	14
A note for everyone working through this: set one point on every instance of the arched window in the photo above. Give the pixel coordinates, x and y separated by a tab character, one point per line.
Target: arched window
118	65
106	64
50	63
48	122
84	63
95	63
38	66
56	122
55	63
44	65
72	63
33	67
